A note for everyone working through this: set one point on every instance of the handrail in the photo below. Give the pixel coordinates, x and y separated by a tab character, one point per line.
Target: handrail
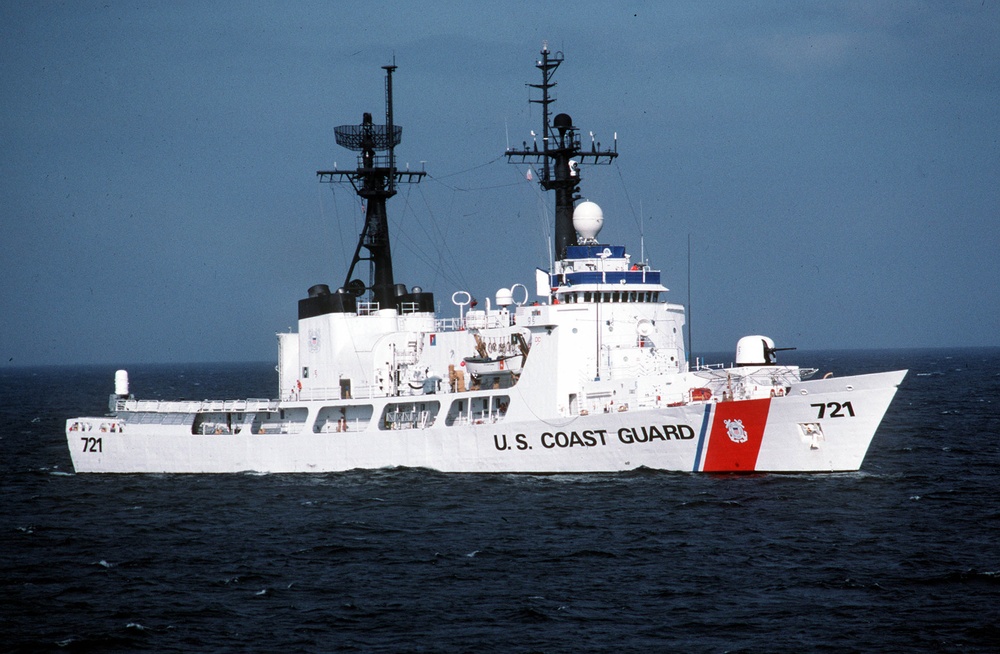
449	324
197	406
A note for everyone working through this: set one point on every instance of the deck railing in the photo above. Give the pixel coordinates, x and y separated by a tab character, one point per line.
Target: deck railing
197	406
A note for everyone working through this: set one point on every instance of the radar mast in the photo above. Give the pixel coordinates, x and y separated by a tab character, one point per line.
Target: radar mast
374	180
560	155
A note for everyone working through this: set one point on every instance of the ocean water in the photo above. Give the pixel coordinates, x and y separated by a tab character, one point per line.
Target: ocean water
901	556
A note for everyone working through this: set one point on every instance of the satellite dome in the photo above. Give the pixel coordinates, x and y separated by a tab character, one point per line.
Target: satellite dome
505	297
562	122
588	220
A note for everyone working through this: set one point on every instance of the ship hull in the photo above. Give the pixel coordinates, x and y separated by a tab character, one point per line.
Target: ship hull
821	425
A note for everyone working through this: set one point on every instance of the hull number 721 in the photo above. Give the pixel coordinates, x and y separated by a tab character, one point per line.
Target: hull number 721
837	410
91	444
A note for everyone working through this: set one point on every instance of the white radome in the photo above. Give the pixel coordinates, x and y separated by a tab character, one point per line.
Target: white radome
588	219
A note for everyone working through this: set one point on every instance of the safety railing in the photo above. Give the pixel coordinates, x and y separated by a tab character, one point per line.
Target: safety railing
196	406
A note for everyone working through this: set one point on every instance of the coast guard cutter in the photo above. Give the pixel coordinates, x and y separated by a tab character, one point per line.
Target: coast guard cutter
581	370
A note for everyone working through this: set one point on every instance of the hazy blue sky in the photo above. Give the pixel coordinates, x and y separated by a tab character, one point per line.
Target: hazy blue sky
837	165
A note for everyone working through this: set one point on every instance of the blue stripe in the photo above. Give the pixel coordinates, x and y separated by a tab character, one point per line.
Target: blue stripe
608	277
701	436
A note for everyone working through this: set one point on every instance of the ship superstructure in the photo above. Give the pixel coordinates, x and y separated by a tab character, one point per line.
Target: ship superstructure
590	375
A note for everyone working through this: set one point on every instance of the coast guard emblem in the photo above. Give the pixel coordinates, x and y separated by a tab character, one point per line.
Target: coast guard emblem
737	433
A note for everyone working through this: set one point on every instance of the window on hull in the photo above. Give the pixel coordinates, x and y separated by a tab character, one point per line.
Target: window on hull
340	419
284	421
477	410
409	415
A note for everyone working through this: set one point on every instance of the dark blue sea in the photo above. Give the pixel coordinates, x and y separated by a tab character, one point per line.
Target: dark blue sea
901	556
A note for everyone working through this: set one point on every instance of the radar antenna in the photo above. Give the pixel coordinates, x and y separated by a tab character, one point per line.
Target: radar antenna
560	155
374	180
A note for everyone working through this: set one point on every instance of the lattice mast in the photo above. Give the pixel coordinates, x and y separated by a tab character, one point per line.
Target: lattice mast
560	155
374	180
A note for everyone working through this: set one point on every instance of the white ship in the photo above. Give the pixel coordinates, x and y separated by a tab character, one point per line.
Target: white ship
589	375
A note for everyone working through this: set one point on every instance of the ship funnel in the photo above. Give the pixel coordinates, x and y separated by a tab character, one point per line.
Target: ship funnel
318	290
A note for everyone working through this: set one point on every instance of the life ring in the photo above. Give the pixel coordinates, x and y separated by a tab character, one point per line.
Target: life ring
501	364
